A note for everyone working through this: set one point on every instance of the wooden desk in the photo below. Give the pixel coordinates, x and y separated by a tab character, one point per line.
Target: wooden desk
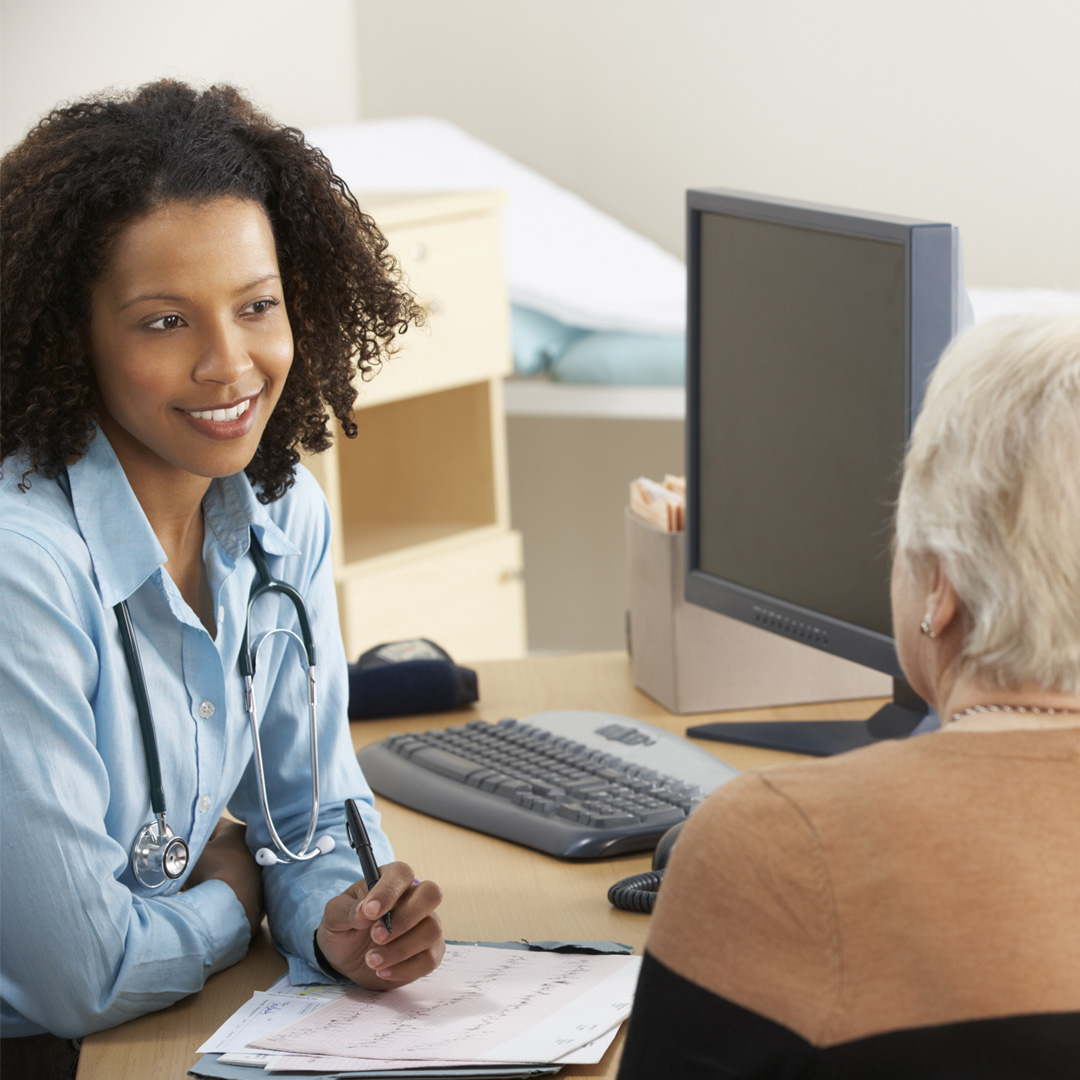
494	890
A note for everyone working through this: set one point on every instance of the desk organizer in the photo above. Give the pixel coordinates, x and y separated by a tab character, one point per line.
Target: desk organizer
693	660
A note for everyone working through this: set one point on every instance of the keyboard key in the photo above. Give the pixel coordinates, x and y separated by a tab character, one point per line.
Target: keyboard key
509	788
446	764
666	816
611	820
477	778
547	789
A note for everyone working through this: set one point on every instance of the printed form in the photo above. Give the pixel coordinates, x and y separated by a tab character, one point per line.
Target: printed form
480	1005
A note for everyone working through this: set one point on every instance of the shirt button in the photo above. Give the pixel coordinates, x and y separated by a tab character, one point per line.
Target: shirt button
221	614
206	710
204	804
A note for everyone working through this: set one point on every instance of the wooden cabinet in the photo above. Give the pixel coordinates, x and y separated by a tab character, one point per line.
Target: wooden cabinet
419	499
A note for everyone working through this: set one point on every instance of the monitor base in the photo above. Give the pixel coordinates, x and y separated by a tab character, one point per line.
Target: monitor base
821	738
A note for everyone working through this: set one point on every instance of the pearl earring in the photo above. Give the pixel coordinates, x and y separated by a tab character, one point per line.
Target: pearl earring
926	627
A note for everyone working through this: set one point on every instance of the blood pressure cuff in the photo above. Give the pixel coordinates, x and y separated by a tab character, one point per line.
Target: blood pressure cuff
400	678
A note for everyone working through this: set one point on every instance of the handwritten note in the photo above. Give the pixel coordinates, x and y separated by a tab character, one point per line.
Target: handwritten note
481	1004
264	1014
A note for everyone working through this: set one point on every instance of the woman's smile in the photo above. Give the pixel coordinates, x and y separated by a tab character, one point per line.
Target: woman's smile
228	412
225	422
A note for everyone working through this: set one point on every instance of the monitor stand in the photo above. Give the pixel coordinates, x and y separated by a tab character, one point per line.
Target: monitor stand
822	738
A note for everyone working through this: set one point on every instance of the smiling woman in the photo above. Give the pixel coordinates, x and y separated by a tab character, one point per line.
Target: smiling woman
189	341
92	168
190	347
188	294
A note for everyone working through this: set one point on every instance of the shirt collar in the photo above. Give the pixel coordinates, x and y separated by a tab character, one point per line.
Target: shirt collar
122	545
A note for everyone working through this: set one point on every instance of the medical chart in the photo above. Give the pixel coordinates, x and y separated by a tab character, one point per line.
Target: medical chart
481	1004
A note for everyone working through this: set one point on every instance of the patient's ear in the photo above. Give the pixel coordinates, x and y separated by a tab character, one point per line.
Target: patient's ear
942	605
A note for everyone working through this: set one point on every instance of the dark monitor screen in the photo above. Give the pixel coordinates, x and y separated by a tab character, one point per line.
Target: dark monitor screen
819	443
811	335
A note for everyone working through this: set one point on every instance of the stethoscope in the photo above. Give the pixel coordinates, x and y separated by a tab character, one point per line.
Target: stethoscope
158	854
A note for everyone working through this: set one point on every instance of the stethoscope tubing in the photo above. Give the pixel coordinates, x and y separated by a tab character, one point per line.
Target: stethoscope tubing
142	707
267	583
155	843
285	855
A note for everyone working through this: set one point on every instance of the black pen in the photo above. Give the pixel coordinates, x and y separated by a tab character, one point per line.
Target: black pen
358	838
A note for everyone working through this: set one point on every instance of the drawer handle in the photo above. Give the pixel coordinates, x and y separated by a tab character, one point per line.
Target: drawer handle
419	251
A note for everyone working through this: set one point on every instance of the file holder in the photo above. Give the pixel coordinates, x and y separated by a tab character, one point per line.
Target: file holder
692	660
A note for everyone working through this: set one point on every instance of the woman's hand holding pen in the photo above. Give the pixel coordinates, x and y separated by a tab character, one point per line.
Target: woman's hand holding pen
354	939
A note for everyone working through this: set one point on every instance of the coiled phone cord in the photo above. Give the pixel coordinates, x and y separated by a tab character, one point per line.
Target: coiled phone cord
636	893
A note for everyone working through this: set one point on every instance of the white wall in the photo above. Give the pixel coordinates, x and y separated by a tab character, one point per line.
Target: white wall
298	61
958	110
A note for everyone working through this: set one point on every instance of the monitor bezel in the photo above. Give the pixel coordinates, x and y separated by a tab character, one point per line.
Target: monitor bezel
931	304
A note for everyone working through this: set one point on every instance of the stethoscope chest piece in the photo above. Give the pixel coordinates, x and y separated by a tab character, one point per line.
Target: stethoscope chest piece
159	855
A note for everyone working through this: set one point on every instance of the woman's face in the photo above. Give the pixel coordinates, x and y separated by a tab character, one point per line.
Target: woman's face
189	339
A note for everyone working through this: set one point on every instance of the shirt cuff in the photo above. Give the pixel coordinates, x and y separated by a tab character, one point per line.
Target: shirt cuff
301	973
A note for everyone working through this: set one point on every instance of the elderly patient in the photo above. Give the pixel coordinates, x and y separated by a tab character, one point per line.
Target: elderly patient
913	909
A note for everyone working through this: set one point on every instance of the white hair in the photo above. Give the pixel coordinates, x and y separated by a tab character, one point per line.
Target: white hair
991	489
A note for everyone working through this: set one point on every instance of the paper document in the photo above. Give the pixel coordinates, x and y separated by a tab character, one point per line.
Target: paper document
661	505
479	1005
264	1014
274	1062
324	990
213	1067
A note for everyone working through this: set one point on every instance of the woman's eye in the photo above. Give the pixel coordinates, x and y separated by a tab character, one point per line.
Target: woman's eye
261	307
166	322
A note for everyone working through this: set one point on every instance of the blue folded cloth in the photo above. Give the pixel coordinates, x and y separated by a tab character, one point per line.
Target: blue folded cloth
543	345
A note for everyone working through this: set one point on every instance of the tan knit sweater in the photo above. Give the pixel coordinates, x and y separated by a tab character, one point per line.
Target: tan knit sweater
915	883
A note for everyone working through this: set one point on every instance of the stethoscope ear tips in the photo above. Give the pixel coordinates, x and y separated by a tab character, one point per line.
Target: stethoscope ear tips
266	857
326	844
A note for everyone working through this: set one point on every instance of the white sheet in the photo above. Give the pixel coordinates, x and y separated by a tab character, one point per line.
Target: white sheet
563	256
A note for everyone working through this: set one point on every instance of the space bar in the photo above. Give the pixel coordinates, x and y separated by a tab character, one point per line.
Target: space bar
457	768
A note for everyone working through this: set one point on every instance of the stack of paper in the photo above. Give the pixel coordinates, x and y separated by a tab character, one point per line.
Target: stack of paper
483	1012
662	505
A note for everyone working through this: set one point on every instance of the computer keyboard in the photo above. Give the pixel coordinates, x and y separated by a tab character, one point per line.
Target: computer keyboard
578	785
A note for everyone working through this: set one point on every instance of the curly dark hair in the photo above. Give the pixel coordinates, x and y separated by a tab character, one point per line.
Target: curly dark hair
89	168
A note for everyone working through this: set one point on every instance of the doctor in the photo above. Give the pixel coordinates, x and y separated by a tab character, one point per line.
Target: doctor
188	293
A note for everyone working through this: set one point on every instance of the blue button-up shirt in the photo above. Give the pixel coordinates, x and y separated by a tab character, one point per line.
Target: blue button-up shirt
83	946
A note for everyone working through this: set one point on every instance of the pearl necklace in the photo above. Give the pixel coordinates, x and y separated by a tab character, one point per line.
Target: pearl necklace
1037	710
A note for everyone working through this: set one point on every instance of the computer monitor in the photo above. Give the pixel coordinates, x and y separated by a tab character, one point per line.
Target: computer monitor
812	332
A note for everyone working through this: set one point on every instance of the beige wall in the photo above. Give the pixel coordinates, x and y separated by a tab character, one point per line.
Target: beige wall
299	61
962	110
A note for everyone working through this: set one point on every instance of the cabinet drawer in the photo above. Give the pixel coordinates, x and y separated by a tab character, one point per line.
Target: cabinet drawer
454	267
469	599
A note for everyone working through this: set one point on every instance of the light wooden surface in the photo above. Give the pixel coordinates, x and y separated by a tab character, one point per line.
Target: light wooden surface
494	890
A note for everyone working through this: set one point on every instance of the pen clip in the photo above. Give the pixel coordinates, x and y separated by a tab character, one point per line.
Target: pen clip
357	835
